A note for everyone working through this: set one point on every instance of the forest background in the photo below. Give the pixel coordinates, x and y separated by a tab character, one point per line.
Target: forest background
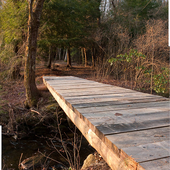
127	39
122	40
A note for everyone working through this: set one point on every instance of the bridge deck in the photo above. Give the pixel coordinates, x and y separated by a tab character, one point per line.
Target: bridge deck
129	129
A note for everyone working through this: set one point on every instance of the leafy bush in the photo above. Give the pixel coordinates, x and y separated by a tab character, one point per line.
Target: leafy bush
161	81
130	63
139	69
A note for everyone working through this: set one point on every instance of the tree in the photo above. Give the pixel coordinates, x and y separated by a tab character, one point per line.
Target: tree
13	21
35	10
52	54
136	12
68	58
67	24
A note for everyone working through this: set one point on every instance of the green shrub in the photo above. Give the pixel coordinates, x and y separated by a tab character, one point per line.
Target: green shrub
161	81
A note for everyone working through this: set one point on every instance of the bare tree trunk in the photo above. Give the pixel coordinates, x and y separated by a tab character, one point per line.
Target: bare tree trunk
68	58
59	54
54	56
49	58
65	55
93	57
85	57
32	94
105	3
82	55
113	4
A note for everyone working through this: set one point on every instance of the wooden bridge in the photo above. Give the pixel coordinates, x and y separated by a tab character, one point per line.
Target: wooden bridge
129	129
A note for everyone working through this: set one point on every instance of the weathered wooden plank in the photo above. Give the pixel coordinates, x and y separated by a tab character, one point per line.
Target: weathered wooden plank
160	164
118	102
85	84
71	81
74	81
87	110
150	151
118	121
121	113
130	113
97	90
65	81
112	98
88	92
136	138
73	85
69	85
135	121
116	159
130	127
53	78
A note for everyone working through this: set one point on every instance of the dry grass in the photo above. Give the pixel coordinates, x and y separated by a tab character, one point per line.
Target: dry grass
140	72
155	41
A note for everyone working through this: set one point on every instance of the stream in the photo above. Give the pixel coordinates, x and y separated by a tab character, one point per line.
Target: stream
13	149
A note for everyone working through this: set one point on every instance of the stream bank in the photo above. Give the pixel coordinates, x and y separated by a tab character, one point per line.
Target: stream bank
46	133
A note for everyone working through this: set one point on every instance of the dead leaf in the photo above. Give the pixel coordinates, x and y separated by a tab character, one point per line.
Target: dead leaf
158	135
118	114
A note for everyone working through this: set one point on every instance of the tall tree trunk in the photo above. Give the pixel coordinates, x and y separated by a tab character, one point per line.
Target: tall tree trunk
68	58
93	57
65	55
49	58
85	57
52	56
59	54
82	55
35	10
